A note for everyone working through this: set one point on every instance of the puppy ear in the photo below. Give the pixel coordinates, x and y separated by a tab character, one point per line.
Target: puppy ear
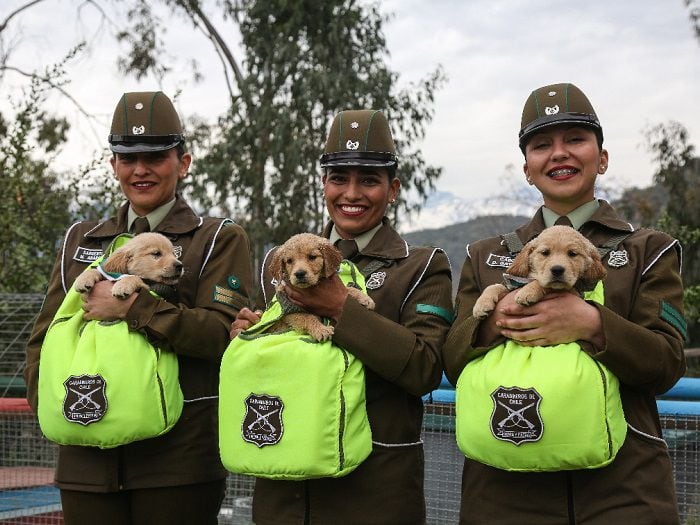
595	271
331	258
276	264
118	262
521	264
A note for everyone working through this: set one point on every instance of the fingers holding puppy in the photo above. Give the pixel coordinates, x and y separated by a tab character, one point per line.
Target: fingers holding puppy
244	320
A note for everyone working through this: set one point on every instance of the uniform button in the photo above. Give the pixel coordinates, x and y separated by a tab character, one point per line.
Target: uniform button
133	323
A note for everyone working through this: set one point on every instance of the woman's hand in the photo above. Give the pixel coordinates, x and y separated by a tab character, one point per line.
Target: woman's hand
326	299
560	317
244	320
101	305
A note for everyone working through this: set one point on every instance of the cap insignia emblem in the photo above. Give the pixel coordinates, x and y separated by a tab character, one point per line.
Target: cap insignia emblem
618	258
354	125
138	105
138	130
551	93
352	145
551	110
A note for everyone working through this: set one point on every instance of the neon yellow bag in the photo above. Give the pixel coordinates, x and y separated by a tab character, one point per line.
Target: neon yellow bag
102	385
539	408
290	407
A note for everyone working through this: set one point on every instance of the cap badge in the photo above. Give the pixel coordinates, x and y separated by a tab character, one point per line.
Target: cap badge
138	130
551	93
354	125
618	258
551	111
352	145
138	105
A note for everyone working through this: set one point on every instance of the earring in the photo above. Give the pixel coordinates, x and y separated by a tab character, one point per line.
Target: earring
392	201
602	169
529	180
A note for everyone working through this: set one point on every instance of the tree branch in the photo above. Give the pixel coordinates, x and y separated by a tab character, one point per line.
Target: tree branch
215	37
16	12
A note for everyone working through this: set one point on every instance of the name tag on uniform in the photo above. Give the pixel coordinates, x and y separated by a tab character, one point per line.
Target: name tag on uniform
499	261
86	255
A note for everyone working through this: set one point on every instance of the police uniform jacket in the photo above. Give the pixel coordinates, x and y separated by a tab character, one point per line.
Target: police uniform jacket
216	283
399	343
644	332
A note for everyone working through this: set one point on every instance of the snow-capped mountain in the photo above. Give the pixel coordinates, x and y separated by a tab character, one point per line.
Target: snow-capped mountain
444	208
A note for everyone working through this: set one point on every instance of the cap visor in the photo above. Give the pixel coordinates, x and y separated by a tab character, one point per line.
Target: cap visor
141	147
359	162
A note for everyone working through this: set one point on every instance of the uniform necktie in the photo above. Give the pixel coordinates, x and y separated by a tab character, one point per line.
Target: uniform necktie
348	248
563	221
140	225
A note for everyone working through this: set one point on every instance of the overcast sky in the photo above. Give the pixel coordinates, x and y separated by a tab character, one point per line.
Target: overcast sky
637	60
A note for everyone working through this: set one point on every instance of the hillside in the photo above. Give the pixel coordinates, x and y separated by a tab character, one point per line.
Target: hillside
454	238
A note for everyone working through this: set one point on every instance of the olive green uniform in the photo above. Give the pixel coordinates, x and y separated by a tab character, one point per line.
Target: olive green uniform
216	283
644	348
399	343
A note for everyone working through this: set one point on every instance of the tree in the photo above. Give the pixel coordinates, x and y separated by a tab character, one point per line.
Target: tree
304	61
33	208
678	172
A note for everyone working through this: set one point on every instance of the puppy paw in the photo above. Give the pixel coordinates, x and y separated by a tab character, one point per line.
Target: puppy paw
487	301
526	297
321	332
362	298
125	286
86	281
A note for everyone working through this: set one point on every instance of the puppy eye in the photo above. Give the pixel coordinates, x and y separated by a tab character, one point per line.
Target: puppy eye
313	257
157	254
545	252
288	260
572	253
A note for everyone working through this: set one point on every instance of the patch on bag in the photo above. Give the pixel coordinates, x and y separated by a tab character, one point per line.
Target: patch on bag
516	415
499	261
86	255
86	400
262	423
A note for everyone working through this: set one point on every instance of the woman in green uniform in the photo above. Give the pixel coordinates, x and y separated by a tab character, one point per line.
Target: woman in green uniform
637	333
176	478
399	342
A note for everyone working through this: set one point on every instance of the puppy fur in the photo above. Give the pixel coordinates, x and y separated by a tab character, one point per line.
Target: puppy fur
148	256
302	261
559	258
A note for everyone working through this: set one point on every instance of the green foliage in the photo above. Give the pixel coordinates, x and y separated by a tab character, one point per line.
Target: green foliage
33	208
678	173
304	62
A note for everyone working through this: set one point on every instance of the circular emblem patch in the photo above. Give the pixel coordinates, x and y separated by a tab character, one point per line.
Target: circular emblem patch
233	282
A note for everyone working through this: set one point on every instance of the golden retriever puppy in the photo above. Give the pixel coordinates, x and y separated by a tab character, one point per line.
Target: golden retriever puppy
147	258
302	261
559	258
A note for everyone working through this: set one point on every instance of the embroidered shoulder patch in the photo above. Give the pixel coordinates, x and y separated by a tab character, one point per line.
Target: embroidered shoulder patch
233	282
444	313
673	317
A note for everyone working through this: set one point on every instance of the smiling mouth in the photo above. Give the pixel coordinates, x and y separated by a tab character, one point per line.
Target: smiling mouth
143	185
351	210
562	173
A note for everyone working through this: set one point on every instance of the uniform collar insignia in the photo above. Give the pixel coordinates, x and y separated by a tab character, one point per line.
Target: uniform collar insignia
375	280
618	258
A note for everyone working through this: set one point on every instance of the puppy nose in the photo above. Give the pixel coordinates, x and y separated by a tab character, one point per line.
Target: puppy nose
557	271
300	274
178	266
